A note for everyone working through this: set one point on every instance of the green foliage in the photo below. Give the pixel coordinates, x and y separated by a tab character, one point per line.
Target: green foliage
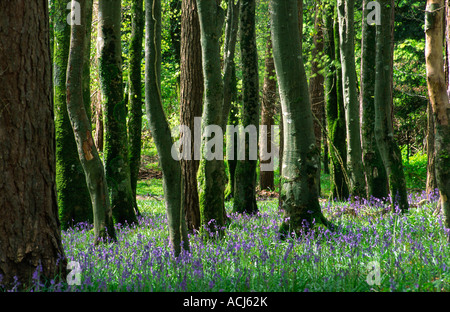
415	168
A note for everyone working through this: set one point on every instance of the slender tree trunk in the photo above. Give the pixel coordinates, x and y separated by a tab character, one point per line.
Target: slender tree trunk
384	131
160	128
316	82
245	175
211	174
347	50
230	108
73	196
135	93
334	106
377	183
30	232
175	28
299	185
266	178
434	22
431	185
116	141
87	152
191	97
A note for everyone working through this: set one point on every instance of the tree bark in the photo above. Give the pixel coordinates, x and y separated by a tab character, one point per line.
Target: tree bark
266	178
384	131
74	203
377	182
316	81
431	184
160	130
135	93
334	106
30	232
245	175
191	97
211	174
434	22
299	183
347	50
116	141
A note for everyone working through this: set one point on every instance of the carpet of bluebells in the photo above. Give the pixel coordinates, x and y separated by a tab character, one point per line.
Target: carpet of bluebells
410	250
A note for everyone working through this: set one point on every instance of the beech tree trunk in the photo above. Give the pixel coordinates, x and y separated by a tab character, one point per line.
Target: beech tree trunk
300	201
116	140
384	131
160	130
74	202
245	175
377	182
355	168
30	232
434	22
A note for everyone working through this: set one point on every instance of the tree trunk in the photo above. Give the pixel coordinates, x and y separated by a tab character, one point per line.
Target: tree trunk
335	107
245	175
266	178
434	22
300	200
211	174
316	82
73	196
191	97
116	141
160	128
384	131
347	50
377	183
30	232
431	185
135	92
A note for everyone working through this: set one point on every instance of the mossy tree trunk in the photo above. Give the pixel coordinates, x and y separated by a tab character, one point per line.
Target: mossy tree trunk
211	174
115	112
334	106
300	200
384	130
230	108
74	203
355	168
431	184
434	22
87	152
160	130
135	92
191	100
377	183
30	232
245	175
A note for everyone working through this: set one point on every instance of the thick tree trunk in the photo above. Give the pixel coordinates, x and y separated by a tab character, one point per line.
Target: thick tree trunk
30	231
87	152
351	104
434	22
266	178
211	174
335	107
384	131
74	203
300	200
377	183
191	98
245	175
116	141
135	92
160	128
